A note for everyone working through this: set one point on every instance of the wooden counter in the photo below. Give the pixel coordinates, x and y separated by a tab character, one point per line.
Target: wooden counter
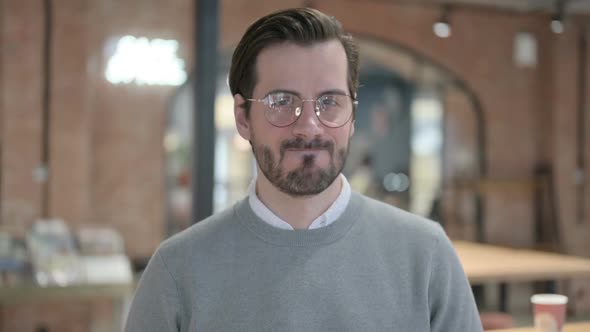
570	327
488	263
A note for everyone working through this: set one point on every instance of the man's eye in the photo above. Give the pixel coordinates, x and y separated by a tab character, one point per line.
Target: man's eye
329	101
283	102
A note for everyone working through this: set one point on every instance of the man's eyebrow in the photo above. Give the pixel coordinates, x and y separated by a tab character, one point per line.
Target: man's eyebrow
283	91
333	92
323	93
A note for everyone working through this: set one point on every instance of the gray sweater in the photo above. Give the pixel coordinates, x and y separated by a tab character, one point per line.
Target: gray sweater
377	268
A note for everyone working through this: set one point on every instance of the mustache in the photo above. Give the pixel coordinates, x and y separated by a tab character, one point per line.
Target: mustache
300	143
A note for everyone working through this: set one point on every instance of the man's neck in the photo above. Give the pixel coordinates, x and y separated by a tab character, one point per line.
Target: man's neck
299	212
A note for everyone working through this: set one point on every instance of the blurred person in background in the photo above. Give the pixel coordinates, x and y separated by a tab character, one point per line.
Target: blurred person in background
302	252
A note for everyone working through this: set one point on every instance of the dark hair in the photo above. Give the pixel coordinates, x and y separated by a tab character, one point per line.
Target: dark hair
303	26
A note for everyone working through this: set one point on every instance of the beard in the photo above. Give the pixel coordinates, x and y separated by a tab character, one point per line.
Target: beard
307	179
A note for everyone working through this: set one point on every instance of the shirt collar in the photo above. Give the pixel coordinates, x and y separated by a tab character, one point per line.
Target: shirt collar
332	213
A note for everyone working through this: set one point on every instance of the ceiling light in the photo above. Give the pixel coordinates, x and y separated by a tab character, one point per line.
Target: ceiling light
557	24
557	18
442	27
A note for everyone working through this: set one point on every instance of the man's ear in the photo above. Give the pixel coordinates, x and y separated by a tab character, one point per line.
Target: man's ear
352	128
242	123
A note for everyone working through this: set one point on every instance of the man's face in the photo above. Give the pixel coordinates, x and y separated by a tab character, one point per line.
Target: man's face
306	157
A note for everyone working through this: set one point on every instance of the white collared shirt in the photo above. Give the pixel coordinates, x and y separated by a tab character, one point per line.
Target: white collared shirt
332	213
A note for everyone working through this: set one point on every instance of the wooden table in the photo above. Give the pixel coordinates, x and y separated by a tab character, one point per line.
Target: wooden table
488	263
570	327
27	293
31	293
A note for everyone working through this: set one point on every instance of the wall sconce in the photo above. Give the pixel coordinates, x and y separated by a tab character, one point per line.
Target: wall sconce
442	27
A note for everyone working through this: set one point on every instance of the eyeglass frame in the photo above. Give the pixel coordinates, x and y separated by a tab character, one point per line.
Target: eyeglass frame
264	100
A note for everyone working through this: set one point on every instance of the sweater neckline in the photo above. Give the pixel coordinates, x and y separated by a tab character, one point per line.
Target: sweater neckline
299	238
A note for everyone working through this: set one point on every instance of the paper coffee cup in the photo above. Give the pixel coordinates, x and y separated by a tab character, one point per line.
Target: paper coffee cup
549	312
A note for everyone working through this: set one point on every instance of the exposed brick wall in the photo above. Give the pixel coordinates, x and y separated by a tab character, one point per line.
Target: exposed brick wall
128	121
70	116
106	141
21	111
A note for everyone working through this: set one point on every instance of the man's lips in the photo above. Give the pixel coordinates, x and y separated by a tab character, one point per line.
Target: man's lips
300	147
312	149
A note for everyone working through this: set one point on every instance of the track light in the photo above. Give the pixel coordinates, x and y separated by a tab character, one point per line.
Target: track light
557	18
442	27
557	24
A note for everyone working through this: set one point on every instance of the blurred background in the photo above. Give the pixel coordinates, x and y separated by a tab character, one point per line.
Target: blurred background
472	112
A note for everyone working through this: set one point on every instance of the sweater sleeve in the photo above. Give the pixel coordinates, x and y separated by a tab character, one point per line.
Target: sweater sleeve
155	305
451	302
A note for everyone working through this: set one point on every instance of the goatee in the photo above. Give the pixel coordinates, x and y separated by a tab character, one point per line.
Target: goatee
307	179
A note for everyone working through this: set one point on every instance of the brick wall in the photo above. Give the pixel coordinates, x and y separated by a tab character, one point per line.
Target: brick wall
106	156
106	140
21	110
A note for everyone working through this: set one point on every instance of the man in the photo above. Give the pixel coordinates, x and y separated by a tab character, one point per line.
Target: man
302	252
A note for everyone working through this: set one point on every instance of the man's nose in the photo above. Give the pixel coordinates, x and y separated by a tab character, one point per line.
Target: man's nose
308	124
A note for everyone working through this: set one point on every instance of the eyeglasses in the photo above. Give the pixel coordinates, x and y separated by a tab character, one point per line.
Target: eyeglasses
284	108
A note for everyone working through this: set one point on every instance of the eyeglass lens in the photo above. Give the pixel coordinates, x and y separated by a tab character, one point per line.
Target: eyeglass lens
333	110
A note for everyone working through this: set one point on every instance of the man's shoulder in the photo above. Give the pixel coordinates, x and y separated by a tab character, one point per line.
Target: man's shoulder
395	221
200	235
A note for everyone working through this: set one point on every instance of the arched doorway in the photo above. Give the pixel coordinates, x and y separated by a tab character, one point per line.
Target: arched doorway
439	140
